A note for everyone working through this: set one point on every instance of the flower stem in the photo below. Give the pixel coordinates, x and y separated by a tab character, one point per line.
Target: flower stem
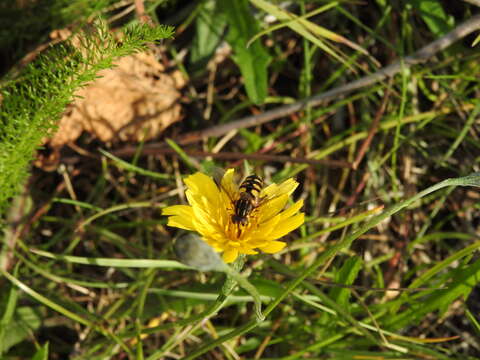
234	277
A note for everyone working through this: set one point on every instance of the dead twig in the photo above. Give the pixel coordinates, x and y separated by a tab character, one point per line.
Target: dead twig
141	14
473	2
418	57
157	150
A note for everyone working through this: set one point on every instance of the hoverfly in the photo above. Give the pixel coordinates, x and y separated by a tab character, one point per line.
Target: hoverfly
248	199
245	201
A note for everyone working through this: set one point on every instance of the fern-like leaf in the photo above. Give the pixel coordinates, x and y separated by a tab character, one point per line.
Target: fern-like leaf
34	101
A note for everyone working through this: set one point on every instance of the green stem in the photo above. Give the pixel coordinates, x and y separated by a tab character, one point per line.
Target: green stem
227	289
235	276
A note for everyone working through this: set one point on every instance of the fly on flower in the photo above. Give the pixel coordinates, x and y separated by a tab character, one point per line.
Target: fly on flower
233	223
248	199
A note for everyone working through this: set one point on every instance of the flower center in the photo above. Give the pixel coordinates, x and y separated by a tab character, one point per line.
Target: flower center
237	230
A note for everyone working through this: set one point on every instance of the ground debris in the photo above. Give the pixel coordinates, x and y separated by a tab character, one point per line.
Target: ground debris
134	101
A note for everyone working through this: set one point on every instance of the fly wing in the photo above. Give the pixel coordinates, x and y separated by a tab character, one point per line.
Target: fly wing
228	184
224	181
214	172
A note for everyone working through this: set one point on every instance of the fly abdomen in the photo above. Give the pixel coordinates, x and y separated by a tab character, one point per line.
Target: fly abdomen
249	192
243	208
252	185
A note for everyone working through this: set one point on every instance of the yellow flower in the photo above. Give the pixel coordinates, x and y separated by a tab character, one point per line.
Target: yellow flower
211	209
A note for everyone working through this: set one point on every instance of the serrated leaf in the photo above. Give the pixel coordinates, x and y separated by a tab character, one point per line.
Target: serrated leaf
252	61
33	103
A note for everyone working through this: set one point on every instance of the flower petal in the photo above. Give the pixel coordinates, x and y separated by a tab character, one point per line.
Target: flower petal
203	185
201	217
271	208
211	208
228	185
181	210
181	222
287	187
213	243
292	210
180	216
287	226
206	225
230	255
273	247
248	251
264	230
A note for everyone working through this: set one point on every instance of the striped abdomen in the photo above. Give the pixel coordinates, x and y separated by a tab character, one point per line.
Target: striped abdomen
249	191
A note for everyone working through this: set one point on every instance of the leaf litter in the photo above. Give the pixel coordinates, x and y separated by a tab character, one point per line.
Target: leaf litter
134	101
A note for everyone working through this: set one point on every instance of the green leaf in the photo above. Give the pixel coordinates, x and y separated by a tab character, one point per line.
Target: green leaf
25	321
8	303
347	275
251	344
476	41
339	295
133	263
122	164
254	141
463	280
42	353
309	30
209	25
434	16
252	61
267	287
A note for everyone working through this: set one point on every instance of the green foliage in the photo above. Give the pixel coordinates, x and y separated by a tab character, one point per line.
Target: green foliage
210	25
346	275
253	60
254	141
42	353
33	102
28	23
16	322
434	16
99	259
461	282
